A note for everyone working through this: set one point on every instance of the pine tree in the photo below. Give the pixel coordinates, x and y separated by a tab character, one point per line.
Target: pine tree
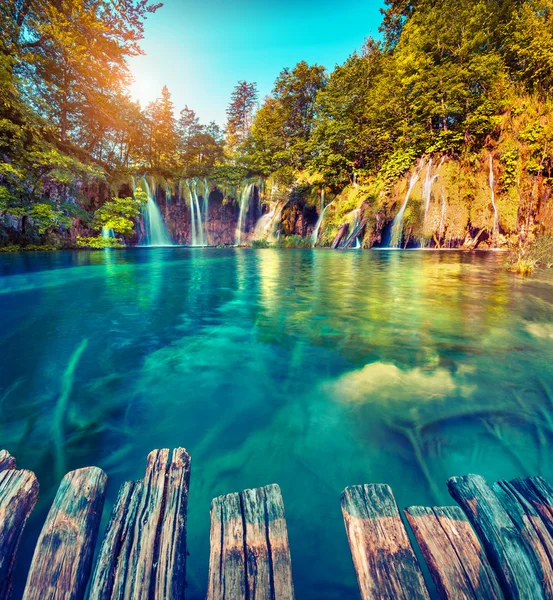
240	114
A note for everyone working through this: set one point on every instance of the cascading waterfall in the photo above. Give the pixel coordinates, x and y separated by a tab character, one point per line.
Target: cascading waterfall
155	232
427	185
193	237
492	190
244	207
107	233
315	235
199	227
397	225
206	210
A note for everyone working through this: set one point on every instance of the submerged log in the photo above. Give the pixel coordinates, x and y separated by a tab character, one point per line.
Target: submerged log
453	553
250	553
143	553
63	555
18	496
384	561
340	236
511	556
7	461
357	233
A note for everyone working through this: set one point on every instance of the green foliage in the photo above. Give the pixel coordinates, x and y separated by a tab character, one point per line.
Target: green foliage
527	258
260	244
45	217
119	213
99	242
293	241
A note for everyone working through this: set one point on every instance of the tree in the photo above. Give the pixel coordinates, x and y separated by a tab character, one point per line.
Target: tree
282	127
240	114
162	133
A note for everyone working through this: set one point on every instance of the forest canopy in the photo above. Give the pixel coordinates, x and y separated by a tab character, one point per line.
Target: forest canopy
440	78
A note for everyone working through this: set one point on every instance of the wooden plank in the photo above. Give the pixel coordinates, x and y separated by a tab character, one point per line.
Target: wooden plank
473	556
63	555
227	563
110	551
170	579
508	552
143	553
453	554
281	561
18	496
7	461
532	529
258	568
385	564
250	553
540	495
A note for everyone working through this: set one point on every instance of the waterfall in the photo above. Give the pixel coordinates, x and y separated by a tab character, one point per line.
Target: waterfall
206	210
155	232
193	240
315	235
244	206
429	180
262	225
397	225
199	227
107	233
492	186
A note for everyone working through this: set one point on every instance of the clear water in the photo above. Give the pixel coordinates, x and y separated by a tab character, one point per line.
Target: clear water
313	369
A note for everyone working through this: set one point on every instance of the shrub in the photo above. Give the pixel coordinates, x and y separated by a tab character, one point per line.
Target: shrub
99	242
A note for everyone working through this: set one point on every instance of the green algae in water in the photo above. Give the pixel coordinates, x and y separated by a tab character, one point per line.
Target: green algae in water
308	368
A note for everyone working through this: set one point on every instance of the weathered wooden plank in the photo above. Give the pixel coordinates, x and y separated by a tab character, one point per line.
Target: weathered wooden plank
540	495
532	529
110	551
143	553
281	561
250	553
258	568
508	552
171	555
473	557
18	496
7	461
141	562
384	561
63	555
453	554
227	563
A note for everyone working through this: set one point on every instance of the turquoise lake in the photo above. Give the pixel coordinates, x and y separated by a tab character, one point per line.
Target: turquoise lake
313	369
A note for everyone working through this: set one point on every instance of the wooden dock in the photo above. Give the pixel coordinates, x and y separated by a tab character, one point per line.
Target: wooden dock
497	543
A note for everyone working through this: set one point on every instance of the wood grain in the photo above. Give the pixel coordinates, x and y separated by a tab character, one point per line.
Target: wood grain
143	553
18	496
453	553
509	554
250	553
62	560
384	561
7	461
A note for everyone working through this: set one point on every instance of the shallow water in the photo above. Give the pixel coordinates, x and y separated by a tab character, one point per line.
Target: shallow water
312	369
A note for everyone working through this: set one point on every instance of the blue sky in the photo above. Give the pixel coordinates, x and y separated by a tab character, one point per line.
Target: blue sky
201	48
